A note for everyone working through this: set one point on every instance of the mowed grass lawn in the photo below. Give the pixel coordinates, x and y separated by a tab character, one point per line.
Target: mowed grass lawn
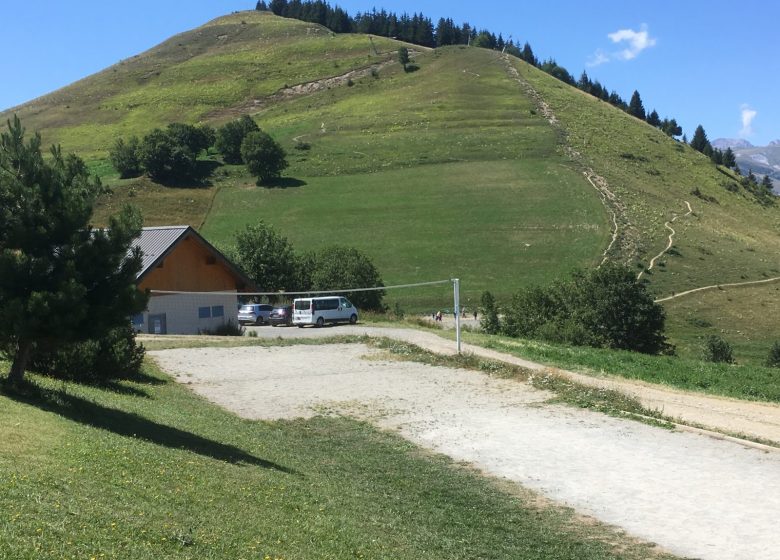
149	470
497	225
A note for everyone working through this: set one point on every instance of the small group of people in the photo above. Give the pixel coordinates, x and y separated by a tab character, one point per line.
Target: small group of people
438	315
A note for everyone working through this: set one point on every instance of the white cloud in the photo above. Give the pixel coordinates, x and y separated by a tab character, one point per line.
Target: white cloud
634	41
597	58
748	115
637	41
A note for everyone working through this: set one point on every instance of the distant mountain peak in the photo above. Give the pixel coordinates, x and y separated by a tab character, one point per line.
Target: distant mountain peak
723	143
774	143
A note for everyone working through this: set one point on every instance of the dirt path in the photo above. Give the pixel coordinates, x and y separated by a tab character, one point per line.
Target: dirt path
667	225
713	286
693	495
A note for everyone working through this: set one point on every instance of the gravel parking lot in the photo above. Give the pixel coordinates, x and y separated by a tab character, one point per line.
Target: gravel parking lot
693	495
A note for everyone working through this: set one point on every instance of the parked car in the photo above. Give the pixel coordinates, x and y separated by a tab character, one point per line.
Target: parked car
320	310
281	315
254	313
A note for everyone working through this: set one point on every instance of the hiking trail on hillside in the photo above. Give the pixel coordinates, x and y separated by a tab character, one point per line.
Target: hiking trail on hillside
622	229
667	225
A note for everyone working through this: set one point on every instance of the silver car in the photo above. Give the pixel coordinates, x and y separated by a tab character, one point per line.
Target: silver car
254	313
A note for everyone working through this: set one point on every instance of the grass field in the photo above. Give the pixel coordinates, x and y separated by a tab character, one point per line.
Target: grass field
745	316
443	172
492	224
150	470
741	381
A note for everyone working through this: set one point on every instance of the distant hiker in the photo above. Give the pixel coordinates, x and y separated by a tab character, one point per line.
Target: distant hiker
475	314
438	315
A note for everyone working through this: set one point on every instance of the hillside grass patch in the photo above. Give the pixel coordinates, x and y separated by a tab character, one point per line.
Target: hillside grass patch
747	317
492	224
726	242
750	382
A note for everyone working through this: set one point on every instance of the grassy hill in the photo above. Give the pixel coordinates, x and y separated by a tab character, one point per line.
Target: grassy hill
451	170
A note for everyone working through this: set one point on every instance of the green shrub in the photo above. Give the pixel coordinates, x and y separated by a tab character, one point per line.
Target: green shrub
718	350
231	135
489	322
264	157
773	360
604	308
565	332
164	158
124	157
113	356
196	138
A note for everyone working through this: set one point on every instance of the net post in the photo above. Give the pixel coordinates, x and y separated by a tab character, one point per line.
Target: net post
456	296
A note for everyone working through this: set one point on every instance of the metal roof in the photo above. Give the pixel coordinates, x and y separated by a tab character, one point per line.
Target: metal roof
155	242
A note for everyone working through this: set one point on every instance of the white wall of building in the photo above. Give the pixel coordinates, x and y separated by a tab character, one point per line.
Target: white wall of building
187	313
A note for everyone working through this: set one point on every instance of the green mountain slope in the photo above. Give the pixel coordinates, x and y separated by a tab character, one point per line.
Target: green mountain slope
476	165
195	76
728	238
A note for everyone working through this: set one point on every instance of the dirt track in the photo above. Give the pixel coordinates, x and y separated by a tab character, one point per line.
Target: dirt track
693	495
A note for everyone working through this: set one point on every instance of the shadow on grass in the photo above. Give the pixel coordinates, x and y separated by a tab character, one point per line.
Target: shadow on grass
200	178
283	183
117	385
129	424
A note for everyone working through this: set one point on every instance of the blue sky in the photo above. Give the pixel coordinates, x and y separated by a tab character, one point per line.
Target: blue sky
713	63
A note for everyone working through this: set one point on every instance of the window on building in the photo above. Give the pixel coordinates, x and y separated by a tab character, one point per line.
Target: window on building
217	311
204	312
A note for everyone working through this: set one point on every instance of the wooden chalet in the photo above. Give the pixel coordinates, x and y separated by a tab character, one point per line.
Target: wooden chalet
193	286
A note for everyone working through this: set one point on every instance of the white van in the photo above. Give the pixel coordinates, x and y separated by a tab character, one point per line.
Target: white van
320	310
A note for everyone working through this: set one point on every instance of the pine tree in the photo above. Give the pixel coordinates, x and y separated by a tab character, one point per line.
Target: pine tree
766	182
671	128
729	159
584	82
528	55
699	141
489	322
60	280
653	119
635	107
